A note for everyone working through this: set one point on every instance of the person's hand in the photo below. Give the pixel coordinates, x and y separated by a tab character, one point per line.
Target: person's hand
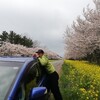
35	55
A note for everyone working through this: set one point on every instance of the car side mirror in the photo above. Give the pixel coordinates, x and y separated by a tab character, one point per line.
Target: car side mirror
38	92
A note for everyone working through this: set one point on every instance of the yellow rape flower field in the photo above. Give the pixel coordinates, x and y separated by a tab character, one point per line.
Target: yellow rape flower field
80	80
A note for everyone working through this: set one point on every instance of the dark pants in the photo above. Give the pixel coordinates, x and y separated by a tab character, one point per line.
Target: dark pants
53	85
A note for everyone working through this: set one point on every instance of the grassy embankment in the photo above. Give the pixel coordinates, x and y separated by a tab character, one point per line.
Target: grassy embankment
80	80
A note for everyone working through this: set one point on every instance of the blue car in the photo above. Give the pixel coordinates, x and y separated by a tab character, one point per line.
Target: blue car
22	79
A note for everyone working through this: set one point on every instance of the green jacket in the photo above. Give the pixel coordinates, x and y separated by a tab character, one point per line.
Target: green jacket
48	66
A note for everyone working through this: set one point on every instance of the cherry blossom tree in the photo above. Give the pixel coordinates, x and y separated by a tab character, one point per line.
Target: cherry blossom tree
8	49
82	40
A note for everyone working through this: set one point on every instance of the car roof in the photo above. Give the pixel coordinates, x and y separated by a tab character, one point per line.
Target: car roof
16	59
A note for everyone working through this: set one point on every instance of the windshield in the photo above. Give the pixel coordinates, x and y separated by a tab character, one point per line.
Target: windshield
7	76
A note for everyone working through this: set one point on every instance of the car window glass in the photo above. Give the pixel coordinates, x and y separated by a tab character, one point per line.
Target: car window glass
20	94
6	74
31	79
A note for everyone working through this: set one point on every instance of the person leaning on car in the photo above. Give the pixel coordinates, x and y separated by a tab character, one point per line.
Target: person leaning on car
52	74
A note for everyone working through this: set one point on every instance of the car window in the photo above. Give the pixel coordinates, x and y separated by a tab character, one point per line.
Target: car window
32	78
41	70
30	81
7	76
20	94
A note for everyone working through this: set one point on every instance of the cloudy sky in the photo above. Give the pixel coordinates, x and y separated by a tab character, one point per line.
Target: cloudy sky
42	20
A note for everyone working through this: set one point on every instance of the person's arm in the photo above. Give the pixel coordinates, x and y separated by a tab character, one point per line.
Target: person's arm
43	61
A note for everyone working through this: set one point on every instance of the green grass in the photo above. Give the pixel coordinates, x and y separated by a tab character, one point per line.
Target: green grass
52	60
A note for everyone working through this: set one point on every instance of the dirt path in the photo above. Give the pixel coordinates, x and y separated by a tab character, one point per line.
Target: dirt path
58	64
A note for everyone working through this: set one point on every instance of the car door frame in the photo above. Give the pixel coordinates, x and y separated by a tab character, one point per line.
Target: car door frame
22	74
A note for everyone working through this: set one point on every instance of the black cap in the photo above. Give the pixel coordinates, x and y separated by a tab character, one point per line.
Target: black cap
40	51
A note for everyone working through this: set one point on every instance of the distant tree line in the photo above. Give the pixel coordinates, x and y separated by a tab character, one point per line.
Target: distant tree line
15	38
82	40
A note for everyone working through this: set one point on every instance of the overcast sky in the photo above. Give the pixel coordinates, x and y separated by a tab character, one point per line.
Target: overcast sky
42	20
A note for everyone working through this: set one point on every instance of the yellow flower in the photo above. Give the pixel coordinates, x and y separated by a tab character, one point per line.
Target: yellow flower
83	90
96	95
87	98
84	74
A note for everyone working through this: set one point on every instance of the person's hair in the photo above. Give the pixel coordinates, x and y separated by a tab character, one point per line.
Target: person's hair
40	51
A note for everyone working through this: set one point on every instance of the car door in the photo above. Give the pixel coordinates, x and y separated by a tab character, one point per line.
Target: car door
31	79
